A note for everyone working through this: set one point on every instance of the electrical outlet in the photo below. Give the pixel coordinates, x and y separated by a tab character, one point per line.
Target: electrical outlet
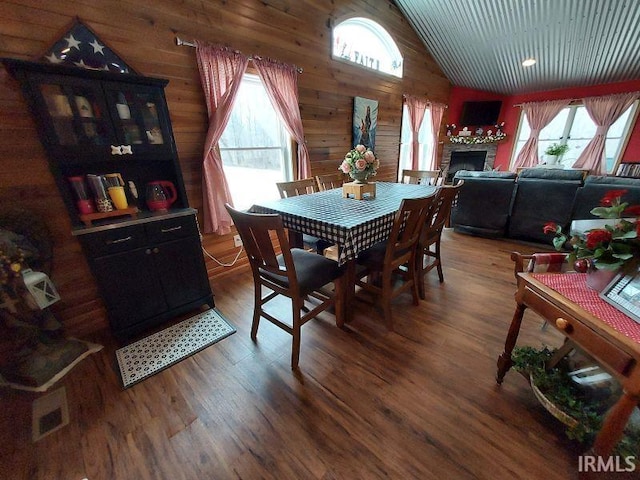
237	241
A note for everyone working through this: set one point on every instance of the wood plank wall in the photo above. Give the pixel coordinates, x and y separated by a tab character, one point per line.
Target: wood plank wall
143	34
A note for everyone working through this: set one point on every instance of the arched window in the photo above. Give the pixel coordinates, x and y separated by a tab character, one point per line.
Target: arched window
365	43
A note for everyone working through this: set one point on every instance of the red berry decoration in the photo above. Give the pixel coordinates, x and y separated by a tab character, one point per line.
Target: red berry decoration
581	265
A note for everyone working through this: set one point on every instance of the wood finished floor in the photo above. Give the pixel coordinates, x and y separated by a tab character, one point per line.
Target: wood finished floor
420	402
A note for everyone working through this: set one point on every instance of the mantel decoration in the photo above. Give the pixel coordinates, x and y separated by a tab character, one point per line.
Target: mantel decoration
464	136
614	246
360	163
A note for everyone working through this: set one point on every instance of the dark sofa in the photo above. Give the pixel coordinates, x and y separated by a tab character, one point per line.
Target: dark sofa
496	204
595	187
484	203
542	195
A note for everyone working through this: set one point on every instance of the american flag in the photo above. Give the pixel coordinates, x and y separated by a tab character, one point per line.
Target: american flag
80	47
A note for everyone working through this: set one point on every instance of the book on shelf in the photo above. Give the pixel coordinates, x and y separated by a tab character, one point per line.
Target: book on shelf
628	170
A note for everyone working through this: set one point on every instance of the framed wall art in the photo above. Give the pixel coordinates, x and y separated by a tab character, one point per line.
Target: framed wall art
365	122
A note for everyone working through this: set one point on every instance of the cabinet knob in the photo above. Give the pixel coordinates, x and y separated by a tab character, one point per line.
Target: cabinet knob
562	323
155	250
116	150
148	251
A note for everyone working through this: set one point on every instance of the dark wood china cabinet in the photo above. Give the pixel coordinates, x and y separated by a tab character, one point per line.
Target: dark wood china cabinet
147	262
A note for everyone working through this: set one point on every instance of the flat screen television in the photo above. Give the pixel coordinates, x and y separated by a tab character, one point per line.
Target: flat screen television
480	114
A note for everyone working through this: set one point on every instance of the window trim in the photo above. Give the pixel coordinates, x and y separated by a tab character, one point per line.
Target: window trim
376	29
573	108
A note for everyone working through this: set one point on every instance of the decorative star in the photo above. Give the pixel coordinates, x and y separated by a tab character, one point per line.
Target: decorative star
126	149
80	64
116	150
97	48
73	43
53	59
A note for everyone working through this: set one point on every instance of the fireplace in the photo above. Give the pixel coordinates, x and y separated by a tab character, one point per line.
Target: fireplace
472	160
485	151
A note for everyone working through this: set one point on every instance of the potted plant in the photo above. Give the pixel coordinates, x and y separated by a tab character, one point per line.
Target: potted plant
554	151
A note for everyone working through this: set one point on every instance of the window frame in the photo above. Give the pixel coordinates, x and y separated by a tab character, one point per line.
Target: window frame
566	133
389	44
288	166
424	156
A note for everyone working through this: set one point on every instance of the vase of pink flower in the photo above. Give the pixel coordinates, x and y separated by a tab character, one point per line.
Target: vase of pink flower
360	164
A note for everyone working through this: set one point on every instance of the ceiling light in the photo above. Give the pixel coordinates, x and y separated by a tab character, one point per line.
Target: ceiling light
528	62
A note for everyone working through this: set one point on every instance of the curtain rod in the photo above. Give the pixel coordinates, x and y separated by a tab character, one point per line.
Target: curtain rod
184	43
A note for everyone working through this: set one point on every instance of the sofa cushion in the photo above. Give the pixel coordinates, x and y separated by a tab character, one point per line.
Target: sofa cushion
483	204
596	186
541	196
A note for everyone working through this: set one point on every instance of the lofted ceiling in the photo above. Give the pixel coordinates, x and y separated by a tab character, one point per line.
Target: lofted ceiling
481	44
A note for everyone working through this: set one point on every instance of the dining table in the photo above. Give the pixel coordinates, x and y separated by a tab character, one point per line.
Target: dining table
353	225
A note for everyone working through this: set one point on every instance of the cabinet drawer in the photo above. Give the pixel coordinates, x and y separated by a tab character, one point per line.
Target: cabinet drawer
114	241
603	350
171	229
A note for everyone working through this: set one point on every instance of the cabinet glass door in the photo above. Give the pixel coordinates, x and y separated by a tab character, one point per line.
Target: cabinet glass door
77	113
138	118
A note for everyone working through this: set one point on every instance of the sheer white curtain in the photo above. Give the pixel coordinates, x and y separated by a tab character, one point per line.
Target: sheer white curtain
221	72
604	111
539	114
281	83
416	107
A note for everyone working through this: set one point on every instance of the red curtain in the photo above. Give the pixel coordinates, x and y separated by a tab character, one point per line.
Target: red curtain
539	115
221	71
437	112
281	84
604	111
416	108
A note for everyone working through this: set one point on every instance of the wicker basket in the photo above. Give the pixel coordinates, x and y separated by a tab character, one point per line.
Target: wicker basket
551	407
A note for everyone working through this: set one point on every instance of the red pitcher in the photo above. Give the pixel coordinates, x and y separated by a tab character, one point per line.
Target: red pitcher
160	195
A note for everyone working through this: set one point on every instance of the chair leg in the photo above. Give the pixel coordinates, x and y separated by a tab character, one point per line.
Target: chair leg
439	263
257	307
387	287
340	286
419	272
413	274
295	333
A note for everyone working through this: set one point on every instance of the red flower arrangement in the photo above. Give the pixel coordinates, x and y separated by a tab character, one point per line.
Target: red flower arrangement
610	247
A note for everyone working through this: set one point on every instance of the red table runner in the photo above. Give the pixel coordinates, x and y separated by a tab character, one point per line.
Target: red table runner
574	287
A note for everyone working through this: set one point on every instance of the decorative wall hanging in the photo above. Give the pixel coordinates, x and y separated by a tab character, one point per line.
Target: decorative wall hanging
80	47
365	122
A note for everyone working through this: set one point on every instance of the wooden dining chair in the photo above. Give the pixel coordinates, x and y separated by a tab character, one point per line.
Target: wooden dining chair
379	265
330	181
303	187
297	187
422	177
428	252
294	273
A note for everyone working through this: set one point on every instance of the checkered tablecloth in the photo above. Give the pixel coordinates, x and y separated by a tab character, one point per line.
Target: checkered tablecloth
352	224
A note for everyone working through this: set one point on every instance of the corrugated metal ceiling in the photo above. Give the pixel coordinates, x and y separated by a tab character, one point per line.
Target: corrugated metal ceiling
481	44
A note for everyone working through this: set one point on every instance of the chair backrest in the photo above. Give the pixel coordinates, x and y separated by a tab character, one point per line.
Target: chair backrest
407	226
297	187
441	208
330	181
422	177
256	232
